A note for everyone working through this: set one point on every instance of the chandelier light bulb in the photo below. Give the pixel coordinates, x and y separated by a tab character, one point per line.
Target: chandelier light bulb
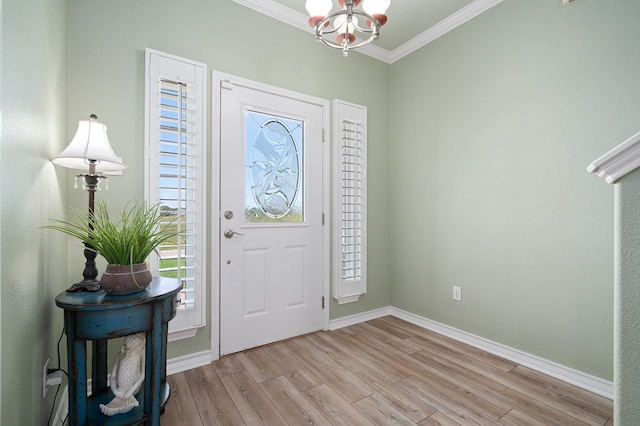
377	9
318	10
356	3
345	27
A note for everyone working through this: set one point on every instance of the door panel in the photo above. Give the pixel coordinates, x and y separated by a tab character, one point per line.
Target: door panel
271	247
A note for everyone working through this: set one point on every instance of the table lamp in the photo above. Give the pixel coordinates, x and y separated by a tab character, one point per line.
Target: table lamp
90	152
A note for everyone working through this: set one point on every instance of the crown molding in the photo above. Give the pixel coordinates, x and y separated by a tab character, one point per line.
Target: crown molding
450	23
299	20
618	162
277	11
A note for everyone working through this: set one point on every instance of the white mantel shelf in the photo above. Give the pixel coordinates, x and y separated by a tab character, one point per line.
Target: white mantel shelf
618	162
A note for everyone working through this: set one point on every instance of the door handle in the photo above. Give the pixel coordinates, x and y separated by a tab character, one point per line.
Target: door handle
229	233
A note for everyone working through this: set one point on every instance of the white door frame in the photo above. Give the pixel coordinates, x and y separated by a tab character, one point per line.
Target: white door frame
218	79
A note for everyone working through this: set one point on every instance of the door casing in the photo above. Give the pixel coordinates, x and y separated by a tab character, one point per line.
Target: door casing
218	80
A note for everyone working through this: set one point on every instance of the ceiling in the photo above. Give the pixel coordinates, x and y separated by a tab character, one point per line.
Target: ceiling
411	24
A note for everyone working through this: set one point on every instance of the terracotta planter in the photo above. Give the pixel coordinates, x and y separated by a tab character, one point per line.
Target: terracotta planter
125	279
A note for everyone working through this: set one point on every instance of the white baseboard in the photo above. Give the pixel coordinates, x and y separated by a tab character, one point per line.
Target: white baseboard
358	318
582	380
188	362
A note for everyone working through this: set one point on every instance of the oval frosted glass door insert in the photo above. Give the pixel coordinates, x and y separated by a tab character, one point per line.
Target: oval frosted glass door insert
274	168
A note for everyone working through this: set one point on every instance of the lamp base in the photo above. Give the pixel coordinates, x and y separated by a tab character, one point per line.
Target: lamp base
90	272
85	285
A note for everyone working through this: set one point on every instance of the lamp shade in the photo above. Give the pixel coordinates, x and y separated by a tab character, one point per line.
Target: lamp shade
90	143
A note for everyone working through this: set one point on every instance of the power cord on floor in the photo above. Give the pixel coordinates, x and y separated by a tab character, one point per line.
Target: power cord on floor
52	370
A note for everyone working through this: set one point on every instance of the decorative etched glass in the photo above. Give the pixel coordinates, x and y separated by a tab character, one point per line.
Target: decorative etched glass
274	168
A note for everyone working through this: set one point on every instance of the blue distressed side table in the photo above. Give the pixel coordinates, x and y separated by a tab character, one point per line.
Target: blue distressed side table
99	316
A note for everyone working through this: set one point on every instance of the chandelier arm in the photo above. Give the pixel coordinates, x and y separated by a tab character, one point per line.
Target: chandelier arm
326	27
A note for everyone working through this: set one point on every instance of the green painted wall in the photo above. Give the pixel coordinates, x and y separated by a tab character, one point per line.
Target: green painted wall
33	261
107	42
492	126
478	145
627	300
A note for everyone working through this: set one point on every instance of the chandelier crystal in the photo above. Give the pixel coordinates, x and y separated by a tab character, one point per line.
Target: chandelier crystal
350	27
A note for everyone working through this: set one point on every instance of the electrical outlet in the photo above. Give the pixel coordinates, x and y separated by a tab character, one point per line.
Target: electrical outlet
45	373
457	293
50	377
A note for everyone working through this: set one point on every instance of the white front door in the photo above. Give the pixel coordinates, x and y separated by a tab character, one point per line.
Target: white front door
271	224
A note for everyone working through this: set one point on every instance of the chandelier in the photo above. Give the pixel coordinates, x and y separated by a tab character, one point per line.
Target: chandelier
352	27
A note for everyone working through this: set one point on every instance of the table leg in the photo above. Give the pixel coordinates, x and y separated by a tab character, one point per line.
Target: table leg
153	355
99	366
77	365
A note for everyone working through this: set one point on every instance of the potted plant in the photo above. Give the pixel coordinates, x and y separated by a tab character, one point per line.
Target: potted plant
125	243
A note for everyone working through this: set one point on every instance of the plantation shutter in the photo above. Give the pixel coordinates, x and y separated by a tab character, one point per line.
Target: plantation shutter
351	201
177	183
175	173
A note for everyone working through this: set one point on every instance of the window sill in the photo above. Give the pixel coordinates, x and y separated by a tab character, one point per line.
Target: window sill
348	299
186	333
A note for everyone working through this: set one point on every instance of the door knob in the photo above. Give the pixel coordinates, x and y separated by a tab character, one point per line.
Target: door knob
229	233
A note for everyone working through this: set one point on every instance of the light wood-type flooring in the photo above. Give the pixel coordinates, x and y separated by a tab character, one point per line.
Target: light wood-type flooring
384	372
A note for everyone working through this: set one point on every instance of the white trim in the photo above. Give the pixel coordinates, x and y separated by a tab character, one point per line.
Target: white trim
350	298
619	161
156	64
188	362
450	23
358	318
280	12
299	20
582	380
186	333
220	79
326	211
349	290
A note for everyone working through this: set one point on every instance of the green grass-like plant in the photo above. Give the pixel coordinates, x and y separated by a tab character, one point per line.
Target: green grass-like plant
129	240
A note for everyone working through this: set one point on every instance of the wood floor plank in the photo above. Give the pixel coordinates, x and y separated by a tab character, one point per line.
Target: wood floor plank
491	381
445	403
388	336
228	364
298	374
551	391
180	409
334	408
347	386
389	327
380	412
214	405
397	397
252	403
365	356
383	371
294	407
438	419
516	417
444	341
258	365
477	400
585	405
